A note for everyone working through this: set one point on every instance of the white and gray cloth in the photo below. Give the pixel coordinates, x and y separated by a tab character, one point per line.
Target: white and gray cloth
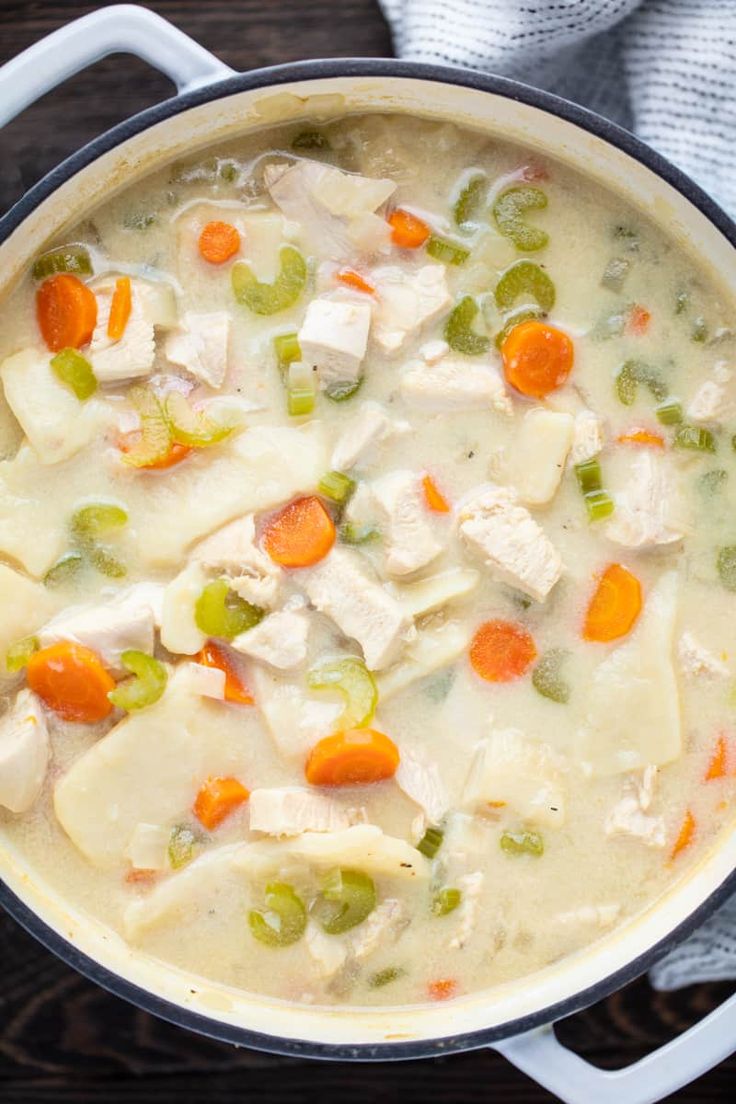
665	69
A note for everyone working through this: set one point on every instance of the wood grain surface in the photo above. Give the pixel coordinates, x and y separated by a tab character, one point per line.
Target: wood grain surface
62	1039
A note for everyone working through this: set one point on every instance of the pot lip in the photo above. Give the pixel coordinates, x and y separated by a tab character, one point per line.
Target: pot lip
263	78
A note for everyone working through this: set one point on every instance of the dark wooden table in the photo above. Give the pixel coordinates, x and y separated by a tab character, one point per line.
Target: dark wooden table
61	1038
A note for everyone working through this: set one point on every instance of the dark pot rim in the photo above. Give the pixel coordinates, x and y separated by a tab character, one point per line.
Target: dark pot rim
320	70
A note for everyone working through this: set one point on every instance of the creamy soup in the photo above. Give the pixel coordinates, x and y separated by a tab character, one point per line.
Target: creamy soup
368	563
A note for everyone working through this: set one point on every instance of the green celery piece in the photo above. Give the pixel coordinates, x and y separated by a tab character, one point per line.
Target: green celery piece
299	401
615	273
509	210
588	475
271	298
438	687
711	482
65	570
634	372
459	334
350	533
191	427
699	332
20	652
599	505
446	251
445	901
283	921
286	347
96	520
522	843
694	438
726	564
336	486
219	611
628	235
310	140
145	688
352	680
106	563
669	412
72	258
347	898
385	976
609	326
528	279
342	390
75	371
155	439
431	842
547	677
470	200
183	845
526	314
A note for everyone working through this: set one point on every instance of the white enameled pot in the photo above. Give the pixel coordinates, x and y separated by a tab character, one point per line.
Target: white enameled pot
214	103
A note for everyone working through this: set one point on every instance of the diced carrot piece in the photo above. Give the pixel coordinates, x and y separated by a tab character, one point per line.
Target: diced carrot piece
174	456
66	310
217	799
301	534
718	766
642	437
407	230
615	605
218	242
502	651
532	173
442	989
120	308
537	358
71	680
141	877
433	496
212	655
638	321
353	279
352	758
686	834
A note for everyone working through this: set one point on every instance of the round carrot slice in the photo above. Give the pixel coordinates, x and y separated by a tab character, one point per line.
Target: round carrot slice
71	680
615	605
352	758
502	651
218	242
407	230
66	310
537	358
301	534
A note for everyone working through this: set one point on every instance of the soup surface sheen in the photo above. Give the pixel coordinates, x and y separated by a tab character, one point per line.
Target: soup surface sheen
383	475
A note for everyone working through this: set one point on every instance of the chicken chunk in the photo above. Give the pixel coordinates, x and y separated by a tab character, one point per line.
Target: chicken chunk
290	810
327	953
454	383
538	455
180	632
132	355
200	345
407	302
590	916
370	427
410	541
422	783
715	399
24	753
511	543
696	661
470	886
208	682
628	819
433	648
126	622
232	551
525	774
333	339
280	640
587	437
649	509
341	587
385	922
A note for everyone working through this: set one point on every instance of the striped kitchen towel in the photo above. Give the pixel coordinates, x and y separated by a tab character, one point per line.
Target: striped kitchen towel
665	69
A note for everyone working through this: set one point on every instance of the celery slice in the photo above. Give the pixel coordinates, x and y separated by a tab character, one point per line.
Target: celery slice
299	401
634	372
354	682
183	845
350	533
588	475
528	279
726	565
310	140
509	210
385	976
65	570
145	688
155	439
547	677
219	611
284	919
75	371
64	258
599	505
106	563
192	427
447	252
446	901
20	652
347	898
271	298
342	390
97	519
522	843
336	486
459	334
286	347
470	200
694	438
431	842
615	273
526	314
669	412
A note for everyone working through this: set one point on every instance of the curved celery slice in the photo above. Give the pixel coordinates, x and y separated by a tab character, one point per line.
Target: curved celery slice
431	842
669	412
18	654
75	371
446	251
219	611
97	519
275	297
547	677
634	372
311	140
350	533
347	898
183	845
192	427
284	919
522	843
155	439
526	314
336	486
458	332
446	901
106	563
509	210
342	390
145	688
65	570
65	258
353	681
726	564
385	976
528	279
468	203
694	438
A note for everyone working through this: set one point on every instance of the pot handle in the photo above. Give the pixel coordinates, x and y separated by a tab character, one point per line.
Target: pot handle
121	28
575	1081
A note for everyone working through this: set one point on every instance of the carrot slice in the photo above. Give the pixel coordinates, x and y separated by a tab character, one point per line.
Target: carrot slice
66	310
217	799
141	877
352	758
353	279
71	680
718	765
174	456
120	308
212	655
218	242
442	989
407	230
638	321
642	437
614	607
537	358
502	651
686	834
433	496
301	534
